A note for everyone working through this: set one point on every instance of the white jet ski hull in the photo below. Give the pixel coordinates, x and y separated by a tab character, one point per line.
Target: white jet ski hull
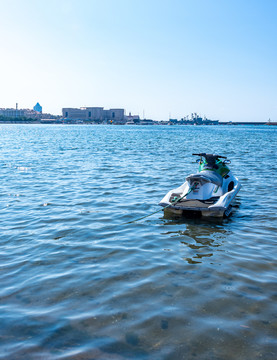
208	200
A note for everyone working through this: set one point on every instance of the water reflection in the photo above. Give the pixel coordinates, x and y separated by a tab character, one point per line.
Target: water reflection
199	239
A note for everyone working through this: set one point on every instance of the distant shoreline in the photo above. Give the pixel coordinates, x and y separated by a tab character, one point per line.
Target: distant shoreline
155	123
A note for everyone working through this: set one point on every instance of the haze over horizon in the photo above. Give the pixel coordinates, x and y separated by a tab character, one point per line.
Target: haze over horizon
156	58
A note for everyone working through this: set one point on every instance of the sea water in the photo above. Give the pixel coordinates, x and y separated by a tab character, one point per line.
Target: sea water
80	282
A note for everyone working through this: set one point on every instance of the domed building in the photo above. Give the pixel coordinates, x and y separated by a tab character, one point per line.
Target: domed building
38	108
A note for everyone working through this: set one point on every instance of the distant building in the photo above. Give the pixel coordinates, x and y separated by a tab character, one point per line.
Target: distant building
12	112
114	115
132	119
38	108
24	113
95	114
15	113
84	113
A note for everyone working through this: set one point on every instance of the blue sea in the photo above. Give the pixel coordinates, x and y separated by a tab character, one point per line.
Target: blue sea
78	281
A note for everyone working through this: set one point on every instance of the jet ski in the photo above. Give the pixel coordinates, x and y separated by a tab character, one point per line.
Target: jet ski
209	193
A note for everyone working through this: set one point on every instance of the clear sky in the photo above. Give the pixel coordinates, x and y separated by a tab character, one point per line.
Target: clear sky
159	58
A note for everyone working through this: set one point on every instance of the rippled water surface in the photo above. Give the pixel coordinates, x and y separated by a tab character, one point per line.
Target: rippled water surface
77	282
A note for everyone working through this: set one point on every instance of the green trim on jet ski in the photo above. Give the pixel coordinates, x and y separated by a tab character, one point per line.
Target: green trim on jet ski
222	169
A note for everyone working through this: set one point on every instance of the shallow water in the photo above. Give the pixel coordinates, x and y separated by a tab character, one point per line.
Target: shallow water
77	282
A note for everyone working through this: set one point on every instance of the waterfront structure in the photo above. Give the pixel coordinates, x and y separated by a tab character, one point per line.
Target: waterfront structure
196	119
94	114
16	113
21	115
132	119
13	113
146	122
115	115
98	115
37	108
84	113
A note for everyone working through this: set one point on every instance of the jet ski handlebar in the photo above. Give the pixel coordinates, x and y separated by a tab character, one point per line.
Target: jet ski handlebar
211	156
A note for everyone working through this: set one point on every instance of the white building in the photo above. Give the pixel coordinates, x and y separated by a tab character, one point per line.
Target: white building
15	113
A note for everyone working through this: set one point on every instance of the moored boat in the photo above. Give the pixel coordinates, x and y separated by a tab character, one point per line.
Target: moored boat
210	192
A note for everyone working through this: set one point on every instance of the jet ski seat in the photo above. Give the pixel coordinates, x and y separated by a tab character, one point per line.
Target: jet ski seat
204	177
